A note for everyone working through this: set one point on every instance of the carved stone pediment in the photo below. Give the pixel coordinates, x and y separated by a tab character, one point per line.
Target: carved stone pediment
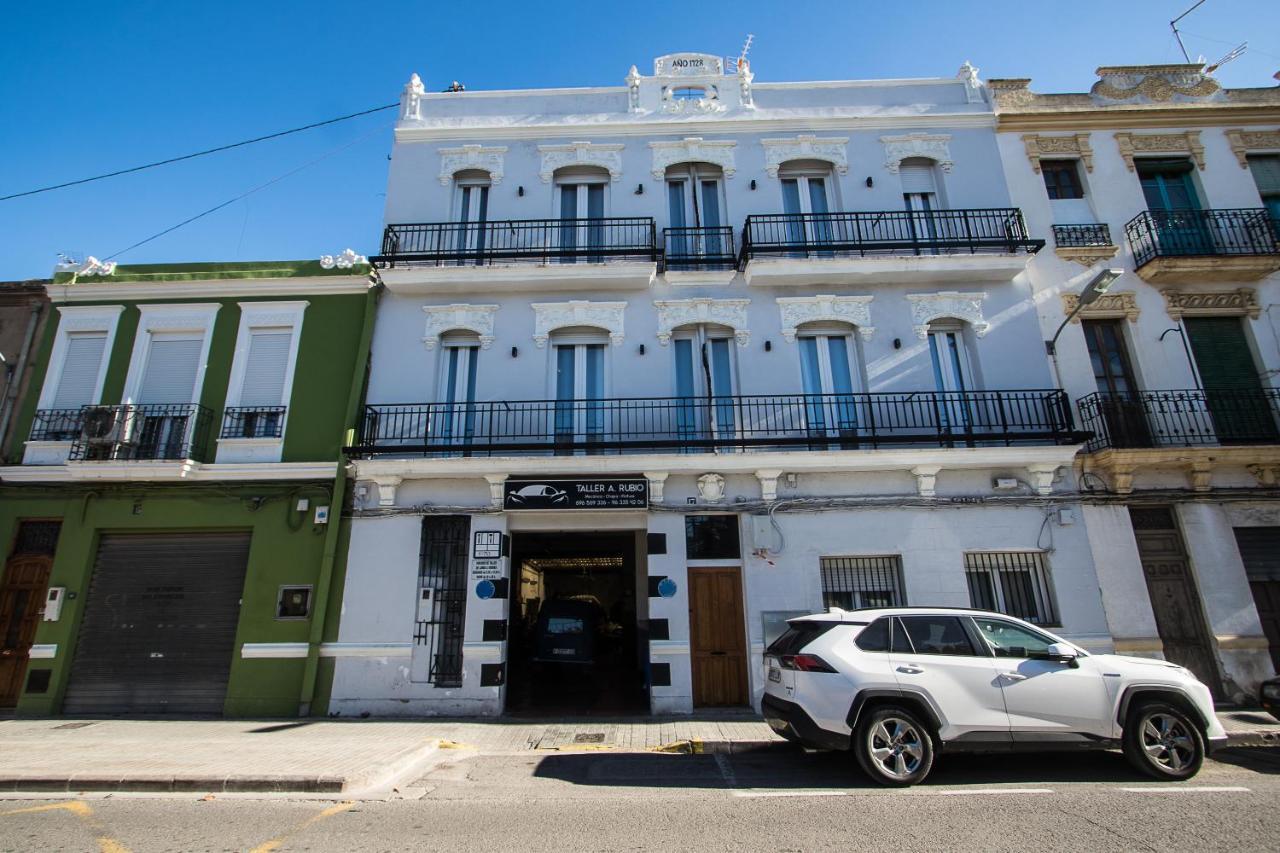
1143	84
1051	147
1109	306
927	307
488	159
798	310
1257	141
673	313
693	149
471	318
933	146
1186	142
606	156
1224	303
802	147
549	316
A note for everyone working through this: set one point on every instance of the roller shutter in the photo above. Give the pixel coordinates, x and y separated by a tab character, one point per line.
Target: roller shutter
1260	552
159	626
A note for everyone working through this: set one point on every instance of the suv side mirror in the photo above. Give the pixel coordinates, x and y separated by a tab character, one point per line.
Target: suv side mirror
1063	653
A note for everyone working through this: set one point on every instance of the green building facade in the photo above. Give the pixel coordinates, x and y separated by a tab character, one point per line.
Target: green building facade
171	508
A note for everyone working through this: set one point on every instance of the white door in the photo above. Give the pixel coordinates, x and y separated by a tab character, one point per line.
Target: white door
580	404
941	660
473	214
952	376
455	422
694	209
579	204
704	385
920	197
829	383
1043	695
805	198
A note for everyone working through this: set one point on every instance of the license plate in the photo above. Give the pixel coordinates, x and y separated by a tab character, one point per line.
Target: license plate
775	674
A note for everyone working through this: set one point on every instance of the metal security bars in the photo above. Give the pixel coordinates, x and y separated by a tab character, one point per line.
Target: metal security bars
698	248
887	232
253	422
853	582
1012	582
1082	235
1181	418
442	595
507	241
138	432
702	424
1191	233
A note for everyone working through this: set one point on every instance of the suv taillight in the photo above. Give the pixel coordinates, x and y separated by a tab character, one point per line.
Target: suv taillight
805	663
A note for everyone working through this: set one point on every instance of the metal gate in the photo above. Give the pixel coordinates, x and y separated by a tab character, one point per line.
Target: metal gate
159	625
442	593
1174	599
1260	551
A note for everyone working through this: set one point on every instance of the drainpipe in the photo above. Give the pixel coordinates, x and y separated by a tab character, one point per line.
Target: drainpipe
321	605
15	378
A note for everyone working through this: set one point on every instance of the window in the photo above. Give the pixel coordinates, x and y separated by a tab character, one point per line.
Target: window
688	93
581	191
261	374
1266	174
919	184
711	537
694	203
1008	640
77	369
78	379
294	602
807	187
704	357
937	635
1061	179
1012	582
1167	184
455	416
471	212
853	582
798	635
579	370
827	356
442	592
952	369
875	637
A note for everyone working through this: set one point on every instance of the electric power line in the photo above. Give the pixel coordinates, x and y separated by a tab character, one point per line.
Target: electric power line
249	192
197	154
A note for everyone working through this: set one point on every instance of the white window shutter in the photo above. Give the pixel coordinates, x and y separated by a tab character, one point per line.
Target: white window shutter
917	178
265	368
170	376
79	378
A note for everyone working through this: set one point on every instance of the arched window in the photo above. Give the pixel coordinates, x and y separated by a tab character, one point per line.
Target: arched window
459	352
920	185
579	370
830	370
954	367
471	213
695	211
580	197
705	379
807	191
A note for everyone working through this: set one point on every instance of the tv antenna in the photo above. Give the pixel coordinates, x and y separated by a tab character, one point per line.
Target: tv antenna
1173	25
1234	54
746	48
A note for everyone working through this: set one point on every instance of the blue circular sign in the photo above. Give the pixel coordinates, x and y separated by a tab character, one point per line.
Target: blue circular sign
486	589
667	588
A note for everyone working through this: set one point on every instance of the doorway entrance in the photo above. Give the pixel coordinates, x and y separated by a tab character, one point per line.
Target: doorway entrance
573	644
717	637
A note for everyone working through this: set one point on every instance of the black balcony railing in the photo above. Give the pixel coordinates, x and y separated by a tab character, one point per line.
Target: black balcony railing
1196	233
887	232
1190	418
691	425
253	422
1081	236
140	432
516	240
56	425
703	248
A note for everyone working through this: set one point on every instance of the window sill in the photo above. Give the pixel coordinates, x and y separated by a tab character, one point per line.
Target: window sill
250	449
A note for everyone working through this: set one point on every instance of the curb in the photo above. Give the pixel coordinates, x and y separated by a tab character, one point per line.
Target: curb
697	746
1259	737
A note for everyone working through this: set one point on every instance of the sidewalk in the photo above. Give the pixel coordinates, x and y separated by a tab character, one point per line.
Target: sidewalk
346	757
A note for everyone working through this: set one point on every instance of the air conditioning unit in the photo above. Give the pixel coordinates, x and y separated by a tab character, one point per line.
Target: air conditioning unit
109	426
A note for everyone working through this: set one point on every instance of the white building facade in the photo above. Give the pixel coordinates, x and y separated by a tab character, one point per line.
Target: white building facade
660	365
1161	173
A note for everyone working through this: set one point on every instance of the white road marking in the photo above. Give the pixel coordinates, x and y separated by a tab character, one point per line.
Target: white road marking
726	771
754	794
967	791
1220	789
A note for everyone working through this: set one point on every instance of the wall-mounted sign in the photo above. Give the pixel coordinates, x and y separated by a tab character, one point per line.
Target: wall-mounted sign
617	493
487	545
667	588
486	589
687	64
486	570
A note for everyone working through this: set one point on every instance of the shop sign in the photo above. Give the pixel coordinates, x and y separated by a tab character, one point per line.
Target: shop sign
615	493
486	570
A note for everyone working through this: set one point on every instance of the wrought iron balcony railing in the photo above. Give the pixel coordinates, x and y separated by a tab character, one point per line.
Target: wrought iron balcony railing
253	422
1186	418
739	423
142	432
1197	233
56	424
519	240
703	248
1082	236
888	232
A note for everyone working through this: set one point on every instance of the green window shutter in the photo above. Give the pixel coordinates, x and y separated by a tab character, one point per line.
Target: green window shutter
1222	354
1266	173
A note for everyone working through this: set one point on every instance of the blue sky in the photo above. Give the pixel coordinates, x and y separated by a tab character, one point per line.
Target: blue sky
93	87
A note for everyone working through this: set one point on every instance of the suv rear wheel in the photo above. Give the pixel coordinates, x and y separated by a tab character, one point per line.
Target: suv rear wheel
893	746
1163	742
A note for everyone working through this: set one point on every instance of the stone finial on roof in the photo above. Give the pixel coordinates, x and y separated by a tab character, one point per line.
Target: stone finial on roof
411	99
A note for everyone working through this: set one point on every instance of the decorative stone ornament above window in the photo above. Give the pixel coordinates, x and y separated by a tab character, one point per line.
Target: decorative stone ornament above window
934	146
927	307
693	149
1050	147
608	157
830	149
1246	142
1223	303
1109	306
454	160
471	318
549	316
798	310
673	313
1187	142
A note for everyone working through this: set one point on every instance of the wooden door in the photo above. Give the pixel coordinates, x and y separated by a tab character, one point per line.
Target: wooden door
1174	599
717	637
1122	409
22	592
1260	552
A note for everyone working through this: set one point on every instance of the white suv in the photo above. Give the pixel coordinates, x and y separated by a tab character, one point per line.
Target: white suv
896	684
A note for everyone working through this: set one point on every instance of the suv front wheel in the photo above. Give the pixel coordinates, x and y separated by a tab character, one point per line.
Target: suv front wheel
893	746
1162	741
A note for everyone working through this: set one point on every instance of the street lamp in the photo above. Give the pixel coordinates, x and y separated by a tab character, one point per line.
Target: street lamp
1096	287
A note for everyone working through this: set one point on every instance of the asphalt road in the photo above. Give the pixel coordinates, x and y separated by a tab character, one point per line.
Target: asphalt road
778	800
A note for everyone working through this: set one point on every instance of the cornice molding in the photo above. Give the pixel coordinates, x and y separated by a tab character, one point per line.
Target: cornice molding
806	147
798	310
933	146
673	313
1242	302
1187	142
266	288
1042	147
693	149
927	307
606	156
1131	118
1110	306
488	159
1243	142
549	316
471	318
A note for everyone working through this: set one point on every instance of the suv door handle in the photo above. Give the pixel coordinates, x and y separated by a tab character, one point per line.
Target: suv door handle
910	670
1013	676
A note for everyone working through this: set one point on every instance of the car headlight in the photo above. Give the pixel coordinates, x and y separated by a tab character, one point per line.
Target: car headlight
1271	691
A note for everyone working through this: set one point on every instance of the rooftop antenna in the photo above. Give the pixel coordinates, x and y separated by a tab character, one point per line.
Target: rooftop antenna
1234	54
746	48
1173	25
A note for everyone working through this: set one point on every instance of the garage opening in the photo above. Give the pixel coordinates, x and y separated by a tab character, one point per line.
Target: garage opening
159	625
575	646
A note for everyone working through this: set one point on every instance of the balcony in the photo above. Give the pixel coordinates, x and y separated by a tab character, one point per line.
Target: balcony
138	432
1085	243
684	425
698	249
604	253
934	246
253	422
1190	418
1192	246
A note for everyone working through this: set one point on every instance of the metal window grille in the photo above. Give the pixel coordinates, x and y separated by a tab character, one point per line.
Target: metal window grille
853	582
37	538
1012	582
443	571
